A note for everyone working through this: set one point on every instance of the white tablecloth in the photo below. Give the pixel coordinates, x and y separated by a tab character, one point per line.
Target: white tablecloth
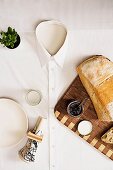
90	32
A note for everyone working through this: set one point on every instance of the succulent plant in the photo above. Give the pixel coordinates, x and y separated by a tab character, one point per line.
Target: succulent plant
8	38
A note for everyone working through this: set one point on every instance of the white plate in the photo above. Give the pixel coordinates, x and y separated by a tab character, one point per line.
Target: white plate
13	122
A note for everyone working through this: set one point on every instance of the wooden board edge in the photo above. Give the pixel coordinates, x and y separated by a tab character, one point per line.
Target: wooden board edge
101	148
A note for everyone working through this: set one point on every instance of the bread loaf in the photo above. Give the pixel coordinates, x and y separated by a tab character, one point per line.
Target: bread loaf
96	74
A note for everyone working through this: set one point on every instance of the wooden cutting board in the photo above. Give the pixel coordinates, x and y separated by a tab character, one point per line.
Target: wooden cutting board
77	91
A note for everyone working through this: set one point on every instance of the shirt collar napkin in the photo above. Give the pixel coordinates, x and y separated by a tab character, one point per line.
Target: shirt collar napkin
43	54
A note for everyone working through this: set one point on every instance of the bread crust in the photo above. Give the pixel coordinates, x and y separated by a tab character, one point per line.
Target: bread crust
108	136
96	74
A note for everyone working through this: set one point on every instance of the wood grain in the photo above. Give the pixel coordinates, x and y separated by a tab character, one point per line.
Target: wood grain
76	91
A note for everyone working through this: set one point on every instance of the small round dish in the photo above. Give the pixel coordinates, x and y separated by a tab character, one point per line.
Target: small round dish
33	97
85	127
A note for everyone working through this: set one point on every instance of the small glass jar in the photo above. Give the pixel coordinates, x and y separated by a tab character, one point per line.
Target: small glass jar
74	108
33	97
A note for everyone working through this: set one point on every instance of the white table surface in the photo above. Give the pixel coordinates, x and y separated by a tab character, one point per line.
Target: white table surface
90	27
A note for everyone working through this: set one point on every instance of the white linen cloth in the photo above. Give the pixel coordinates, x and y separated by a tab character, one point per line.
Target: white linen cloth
75	14
20	70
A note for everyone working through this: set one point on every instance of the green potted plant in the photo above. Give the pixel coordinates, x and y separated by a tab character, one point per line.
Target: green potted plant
10	38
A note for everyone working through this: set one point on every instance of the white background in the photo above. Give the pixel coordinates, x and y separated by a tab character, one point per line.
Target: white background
90	25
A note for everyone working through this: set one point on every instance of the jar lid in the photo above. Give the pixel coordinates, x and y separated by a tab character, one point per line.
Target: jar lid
33	97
